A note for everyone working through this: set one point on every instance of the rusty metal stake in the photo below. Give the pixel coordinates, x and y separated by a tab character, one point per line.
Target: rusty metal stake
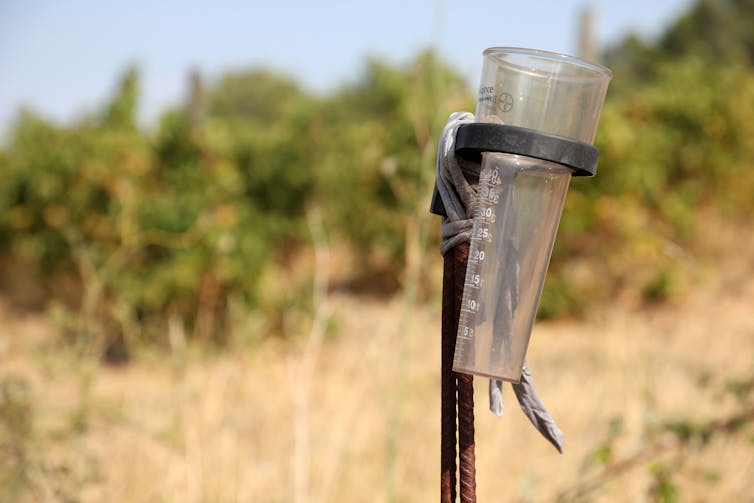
449	386
460	385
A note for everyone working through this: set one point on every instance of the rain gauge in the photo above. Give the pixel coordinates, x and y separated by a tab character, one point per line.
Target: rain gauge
536	117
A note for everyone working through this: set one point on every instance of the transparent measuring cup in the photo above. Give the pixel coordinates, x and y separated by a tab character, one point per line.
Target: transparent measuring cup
520	201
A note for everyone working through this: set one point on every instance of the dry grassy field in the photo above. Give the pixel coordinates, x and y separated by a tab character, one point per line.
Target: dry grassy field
250	425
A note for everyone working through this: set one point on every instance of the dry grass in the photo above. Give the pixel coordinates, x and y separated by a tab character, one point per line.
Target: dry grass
221	428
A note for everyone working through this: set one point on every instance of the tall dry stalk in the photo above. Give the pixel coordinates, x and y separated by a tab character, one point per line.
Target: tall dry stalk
301	367
417	229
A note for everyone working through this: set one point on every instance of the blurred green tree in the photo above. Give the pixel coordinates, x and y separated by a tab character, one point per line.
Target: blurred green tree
176	226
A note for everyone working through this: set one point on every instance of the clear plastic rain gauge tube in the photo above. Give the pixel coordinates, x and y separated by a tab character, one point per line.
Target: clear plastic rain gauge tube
519	201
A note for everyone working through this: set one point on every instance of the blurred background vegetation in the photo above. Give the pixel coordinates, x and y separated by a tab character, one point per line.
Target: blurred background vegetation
118	230
205	231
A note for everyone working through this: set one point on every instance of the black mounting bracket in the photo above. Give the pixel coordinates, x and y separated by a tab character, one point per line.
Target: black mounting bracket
474	139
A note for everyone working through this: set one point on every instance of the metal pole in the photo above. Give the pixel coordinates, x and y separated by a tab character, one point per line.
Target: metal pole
449	385
453	384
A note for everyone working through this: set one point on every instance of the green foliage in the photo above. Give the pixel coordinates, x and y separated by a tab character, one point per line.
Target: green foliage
149	226
121	112
257	97
718	30
604	453
676	158
183	221
377	156
176	223
663	488
670	449
665	157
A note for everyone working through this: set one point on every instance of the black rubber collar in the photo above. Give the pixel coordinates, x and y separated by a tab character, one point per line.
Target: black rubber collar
474	139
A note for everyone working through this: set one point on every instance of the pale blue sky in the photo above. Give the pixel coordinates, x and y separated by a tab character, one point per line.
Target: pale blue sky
62	58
